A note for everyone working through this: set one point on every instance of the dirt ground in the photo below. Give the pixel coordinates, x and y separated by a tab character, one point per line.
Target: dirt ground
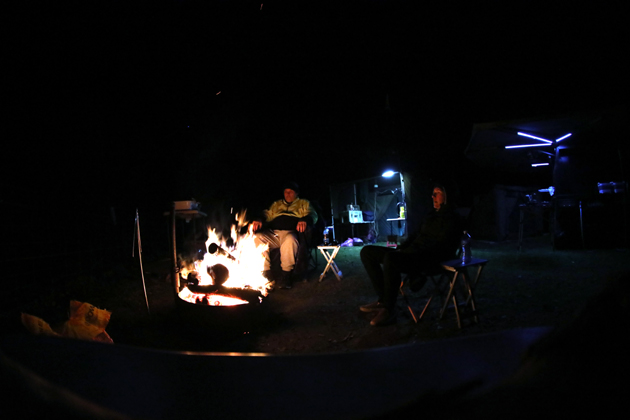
534	287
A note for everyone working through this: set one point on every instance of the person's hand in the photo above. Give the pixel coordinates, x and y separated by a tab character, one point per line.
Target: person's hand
256	224
301	226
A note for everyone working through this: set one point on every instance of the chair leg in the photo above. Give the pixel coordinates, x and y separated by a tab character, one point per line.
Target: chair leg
470	299
446	288
449	295
436	289
426	306
459	322
312	258
436	285
413	314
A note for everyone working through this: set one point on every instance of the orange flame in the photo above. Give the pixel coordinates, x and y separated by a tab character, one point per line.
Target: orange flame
245	270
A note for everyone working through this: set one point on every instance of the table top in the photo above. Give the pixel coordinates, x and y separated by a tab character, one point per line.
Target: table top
186	213
457	263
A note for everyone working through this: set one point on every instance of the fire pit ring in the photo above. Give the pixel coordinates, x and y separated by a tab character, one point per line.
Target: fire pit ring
232	318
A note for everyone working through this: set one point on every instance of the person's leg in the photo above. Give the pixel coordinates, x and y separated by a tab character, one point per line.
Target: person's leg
394	263
372	257
402	262
270	238
289	246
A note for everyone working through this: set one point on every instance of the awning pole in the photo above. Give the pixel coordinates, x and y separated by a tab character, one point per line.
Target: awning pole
144	286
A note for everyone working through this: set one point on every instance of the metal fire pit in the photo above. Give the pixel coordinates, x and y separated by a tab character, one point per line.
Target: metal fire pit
221	318
206	317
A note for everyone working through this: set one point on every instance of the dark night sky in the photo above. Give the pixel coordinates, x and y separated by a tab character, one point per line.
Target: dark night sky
116	104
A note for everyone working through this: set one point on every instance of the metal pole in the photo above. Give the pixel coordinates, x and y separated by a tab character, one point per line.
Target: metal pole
402	186
625	199
376	229
402	189
521	220
332	214
144	286
582	225
175	267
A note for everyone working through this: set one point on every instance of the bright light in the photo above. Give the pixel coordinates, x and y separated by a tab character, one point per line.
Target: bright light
540	164
534	137
526	145
388	174
545	141
550	190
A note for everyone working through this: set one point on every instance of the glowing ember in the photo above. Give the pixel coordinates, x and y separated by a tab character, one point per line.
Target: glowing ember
245	262
210	299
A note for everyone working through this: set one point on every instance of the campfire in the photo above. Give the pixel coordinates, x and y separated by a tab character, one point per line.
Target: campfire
227	275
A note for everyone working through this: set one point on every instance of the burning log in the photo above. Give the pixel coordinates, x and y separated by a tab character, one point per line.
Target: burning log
217	294
249	295
216	249
219	274
192	280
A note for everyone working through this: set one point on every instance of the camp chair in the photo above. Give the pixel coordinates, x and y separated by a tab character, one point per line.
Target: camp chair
456	272
307	253
436	276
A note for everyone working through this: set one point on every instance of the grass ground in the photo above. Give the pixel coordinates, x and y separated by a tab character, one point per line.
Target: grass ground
536	286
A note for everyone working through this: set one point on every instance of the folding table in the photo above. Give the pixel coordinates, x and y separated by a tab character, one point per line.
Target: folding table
330	252
460	269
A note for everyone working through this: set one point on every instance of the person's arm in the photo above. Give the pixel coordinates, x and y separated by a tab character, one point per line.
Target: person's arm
268	215
309	220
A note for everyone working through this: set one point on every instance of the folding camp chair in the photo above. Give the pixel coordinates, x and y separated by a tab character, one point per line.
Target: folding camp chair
457	271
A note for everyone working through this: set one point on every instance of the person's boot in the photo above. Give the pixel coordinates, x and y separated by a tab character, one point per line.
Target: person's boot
285	281
384	317
271	278
371	307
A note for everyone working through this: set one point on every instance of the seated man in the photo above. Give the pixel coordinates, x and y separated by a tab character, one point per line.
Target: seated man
283	220
436	241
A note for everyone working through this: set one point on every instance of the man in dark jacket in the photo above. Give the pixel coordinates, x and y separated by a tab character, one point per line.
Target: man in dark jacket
436	241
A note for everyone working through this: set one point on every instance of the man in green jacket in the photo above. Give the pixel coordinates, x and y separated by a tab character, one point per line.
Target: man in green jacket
283	220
